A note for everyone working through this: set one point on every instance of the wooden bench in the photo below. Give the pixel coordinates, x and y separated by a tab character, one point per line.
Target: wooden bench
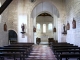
61	44
64	47
23	44
19	45
25	48
12	52
2	55
67	56
19	49
67	51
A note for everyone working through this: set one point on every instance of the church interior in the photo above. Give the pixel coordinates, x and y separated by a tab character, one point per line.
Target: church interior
39	30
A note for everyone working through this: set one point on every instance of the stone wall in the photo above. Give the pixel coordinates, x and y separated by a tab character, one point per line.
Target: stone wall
11	13
3	34
73	11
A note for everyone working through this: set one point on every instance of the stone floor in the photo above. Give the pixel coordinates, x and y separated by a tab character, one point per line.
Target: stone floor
41	52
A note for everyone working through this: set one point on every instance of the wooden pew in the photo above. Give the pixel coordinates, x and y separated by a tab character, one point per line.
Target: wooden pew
68	48
59	52
17	47
25	48
28	44
2	55
12	52
29	47
63	49
67	56
67	51
61	44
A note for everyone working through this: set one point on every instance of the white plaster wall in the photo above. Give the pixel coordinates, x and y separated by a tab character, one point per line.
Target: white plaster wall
22	19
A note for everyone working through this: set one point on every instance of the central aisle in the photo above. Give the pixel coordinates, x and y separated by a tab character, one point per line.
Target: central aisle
41	52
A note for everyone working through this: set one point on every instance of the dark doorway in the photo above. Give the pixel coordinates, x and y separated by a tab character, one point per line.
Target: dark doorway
12	36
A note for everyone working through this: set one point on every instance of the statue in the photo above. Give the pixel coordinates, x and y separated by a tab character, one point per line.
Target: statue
68	26
73	24
64	28
34	29
23	27
5	27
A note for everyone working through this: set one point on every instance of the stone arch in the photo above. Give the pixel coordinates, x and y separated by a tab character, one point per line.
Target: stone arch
12	35
44	12
42	7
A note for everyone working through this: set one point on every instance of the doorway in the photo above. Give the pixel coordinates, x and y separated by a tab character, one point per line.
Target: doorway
12	36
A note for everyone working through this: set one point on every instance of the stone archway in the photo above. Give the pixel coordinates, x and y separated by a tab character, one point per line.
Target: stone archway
41	8
44	27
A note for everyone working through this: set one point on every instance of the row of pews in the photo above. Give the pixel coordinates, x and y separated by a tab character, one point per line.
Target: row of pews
65	50
17	50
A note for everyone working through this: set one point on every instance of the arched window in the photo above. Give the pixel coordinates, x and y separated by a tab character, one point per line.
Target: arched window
38	26
50	26
44	28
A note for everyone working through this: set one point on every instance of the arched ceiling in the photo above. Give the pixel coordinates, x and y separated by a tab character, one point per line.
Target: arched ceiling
45	7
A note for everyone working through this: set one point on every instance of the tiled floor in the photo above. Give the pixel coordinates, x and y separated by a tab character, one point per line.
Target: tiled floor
41	52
